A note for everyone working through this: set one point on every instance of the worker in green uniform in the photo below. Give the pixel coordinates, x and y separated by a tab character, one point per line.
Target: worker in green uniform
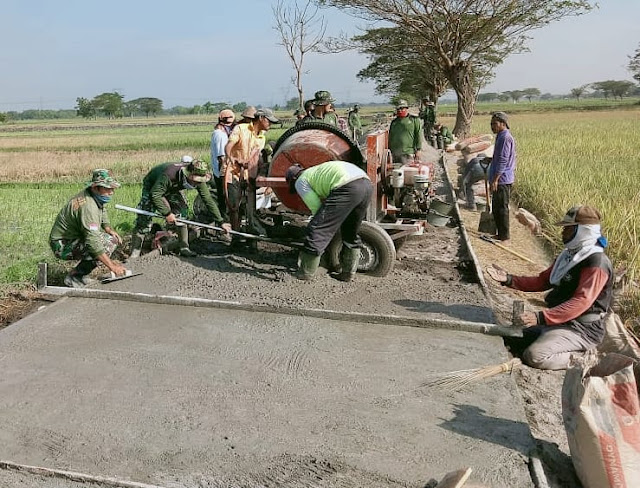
444	136
82	230
405	139
323	110
428	116
355	124
162	192
338	194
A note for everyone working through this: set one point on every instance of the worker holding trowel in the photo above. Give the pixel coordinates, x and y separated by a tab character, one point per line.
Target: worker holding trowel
162	192
82	231
338	194
581	284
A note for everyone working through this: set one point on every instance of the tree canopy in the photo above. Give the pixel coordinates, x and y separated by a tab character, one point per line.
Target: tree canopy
634	65
461	35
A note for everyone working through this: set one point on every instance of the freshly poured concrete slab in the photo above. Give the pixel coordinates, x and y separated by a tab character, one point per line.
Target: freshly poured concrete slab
180	396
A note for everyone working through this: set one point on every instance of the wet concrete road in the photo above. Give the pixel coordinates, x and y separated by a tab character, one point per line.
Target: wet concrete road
189	397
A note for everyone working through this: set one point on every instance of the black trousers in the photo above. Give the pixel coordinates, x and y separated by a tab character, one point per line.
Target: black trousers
345	208
500	204
218	184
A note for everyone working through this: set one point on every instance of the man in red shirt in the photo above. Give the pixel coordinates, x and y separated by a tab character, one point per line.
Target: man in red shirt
581	284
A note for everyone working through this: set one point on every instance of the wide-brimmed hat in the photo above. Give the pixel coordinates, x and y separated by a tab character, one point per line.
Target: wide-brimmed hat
268	114
249	112
197	171
502	117
323	97
103	177
580	214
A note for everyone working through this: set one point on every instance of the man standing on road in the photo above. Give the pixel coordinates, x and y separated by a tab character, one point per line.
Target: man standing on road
243	151
338	194
428	116
405	140
581	284
219	140
82	230
355	124
162	192
502	173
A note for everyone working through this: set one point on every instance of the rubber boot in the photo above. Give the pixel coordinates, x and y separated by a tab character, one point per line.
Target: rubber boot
307	266
183	237
349	259
137	240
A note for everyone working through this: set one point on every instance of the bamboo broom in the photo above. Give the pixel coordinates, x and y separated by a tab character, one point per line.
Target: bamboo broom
456	380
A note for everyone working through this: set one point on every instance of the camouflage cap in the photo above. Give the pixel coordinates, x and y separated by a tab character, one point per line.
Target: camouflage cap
197	170
103	177
323	97
402	104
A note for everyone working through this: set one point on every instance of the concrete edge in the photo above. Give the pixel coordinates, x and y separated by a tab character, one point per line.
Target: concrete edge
73	476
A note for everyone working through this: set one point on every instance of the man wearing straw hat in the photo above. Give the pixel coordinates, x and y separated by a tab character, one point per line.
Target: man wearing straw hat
82	230
581	284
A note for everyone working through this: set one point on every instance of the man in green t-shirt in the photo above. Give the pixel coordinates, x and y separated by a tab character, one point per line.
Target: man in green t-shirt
405	139
428	116
355	124
82	230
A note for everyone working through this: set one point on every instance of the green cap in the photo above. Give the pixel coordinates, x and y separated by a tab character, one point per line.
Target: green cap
102	177
197	171
323	97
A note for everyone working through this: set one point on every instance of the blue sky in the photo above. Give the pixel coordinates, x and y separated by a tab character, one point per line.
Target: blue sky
193	51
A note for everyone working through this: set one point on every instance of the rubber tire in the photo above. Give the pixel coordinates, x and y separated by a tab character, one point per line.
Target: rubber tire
375	239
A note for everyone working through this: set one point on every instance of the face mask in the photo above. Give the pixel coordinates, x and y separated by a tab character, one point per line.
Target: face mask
403	112
102	198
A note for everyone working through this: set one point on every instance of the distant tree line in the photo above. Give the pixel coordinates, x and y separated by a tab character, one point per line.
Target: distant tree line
599	89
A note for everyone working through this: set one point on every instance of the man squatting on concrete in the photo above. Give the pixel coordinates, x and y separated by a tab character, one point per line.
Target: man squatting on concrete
338	194
82	230
502	173
581	283
162	192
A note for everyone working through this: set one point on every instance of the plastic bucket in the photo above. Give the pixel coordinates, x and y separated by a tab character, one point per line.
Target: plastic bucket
440	207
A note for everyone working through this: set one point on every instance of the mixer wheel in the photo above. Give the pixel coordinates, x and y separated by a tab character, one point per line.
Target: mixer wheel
377	255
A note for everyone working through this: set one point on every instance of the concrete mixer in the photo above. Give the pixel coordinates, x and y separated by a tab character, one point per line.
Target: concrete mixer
398	204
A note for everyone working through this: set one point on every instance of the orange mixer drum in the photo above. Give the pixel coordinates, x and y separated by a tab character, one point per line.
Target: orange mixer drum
307	147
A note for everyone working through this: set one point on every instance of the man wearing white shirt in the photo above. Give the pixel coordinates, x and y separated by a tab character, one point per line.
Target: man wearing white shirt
219	139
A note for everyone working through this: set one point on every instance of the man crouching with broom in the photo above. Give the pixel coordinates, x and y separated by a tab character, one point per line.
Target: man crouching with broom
581	284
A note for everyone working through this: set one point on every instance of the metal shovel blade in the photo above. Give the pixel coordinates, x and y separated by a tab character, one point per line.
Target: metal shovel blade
487	224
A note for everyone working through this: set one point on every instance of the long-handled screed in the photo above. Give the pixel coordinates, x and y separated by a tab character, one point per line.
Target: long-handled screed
295	245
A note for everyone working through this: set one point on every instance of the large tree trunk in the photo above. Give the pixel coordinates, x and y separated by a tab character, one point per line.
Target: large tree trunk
461	81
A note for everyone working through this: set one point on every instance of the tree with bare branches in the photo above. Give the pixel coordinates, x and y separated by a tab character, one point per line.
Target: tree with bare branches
458	33
301	31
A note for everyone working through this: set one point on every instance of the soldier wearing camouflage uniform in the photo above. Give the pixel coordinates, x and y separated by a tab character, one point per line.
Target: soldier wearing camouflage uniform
323	109
162	192
82	231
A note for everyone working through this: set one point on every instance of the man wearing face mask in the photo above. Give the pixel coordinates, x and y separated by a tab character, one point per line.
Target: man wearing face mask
82	230
581	284
162	192
405	139
219	140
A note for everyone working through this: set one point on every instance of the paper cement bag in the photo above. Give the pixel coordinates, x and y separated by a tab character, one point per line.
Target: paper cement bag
601	414
618	339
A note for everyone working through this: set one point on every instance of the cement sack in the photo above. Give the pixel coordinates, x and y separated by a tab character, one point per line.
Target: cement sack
529	220
601	414
476	147
471	140
618	339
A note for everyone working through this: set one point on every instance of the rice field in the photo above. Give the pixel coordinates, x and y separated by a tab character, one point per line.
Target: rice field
564	158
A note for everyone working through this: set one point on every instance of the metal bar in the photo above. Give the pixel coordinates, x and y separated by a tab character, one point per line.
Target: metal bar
213	227
398	320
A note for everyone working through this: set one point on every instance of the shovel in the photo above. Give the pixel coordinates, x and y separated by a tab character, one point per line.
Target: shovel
487	223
